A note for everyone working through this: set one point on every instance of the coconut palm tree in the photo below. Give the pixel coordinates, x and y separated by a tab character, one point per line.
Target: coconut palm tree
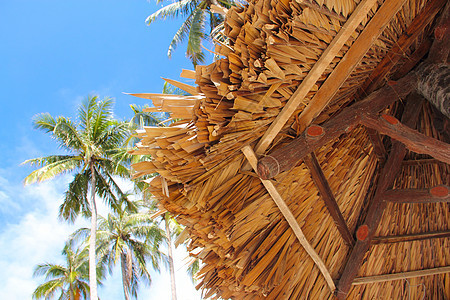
70	280
133	238
199	23
89	144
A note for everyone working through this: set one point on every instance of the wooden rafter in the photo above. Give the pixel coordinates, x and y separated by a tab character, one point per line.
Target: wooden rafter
421	161
327	195
403	275
410	237
285	158
366	232
350	60
314	74
413	59
377	143
425	17
439	193
290	218
413	140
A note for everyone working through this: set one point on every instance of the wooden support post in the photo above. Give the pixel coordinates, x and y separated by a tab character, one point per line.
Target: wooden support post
285	158
434	83
413	140
388	174
290	218
328	197
410	237
437	194
400	276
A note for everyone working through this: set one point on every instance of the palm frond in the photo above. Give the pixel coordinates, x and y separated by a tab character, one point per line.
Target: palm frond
102	118
75	200
86	112
51	166
173	10
49	270
45	122
48	289
181	34
196	34
66	133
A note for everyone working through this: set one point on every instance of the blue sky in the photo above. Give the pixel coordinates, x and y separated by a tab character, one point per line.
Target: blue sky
53	54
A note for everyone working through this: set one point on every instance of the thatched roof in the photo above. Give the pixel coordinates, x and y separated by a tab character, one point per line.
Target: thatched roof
337	208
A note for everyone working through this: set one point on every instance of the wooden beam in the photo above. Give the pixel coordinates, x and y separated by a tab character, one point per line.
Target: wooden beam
419	162
314	74
284	158
437	194
425	17
410	237
400	276
377	144
433	84
439	52
290	218
413	140
350	60
328	197
413	59
388	174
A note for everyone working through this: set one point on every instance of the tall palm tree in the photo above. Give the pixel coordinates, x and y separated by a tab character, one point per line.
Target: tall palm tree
199	23
133	238
69	280
89	143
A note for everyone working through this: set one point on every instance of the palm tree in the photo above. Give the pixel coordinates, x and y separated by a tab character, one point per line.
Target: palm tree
199	17
90	143
133	238
69	280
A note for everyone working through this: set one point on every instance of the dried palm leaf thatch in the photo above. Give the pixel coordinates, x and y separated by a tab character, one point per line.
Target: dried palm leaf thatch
248	249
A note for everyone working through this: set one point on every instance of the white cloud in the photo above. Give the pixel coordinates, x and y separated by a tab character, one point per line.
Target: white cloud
36	236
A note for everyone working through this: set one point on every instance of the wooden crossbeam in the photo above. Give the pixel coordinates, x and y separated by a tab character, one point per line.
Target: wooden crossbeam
366	232
290	218
328	197
439	193
413	140
416	27
421	161
400	276
410	237
377	143
350	60
285	158
314	74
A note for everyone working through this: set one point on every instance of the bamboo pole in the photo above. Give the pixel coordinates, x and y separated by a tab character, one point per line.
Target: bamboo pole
402	275
282	206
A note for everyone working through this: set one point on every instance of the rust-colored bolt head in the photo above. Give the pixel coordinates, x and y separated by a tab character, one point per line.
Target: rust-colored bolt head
439	191
315	131
390	119
362	233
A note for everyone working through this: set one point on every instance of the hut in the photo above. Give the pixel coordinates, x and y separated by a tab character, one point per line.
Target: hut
311	161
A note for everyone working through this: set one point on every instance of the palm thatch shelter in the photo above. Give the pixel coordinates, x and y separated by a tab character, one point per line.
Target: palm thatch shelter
312	160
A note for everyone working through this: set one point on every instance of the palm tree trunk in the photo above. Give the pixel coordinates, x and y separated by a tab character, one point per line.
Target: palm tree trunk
125	281
92	240
171	266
